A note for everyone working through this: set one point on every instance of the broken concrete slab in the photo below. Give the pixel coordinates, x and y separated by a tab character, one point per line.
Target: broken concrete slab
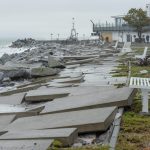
25	144
77	57
20	90
53	93
52	63
20	111
115	97
66	136
5	120
90	120
69	80
13	99
71	75
61	85
80	61
72	66
44	95
44	71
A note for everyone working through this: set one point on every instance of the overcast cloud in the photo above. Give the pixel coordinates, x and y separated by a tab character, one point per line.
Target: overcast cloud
39	18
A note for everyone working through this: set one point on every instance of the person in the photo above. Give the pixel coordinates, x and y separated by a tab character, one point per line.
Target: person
147	38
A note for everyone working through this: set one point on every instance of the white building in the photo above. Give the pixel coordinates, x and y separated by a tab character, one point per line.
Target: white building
120	30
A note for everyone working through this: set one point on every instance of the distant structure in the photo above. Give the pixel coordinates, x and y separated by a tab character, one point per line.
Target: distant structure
74	34
120	30
148	9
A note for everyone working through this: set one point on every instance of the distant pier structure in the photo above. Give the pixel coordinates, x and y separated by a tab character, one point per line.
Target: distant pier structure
148	9
120	30
74	34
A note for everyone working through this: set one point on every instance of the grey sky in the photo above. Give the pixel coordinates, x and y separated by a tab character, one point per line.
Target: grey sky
40	18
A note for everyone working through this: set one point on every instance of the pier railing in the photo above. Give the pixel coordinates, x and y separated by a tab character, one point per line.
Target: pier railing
112	27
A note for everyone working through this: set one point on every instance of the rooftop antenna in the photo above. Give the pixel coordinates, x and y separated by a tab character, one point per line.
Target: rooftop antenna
73	35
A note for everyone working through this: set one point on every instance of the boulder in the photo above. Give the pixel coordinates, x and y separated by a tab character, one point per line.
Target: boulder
1	76
5	58
52	63
23	43
15	74
43	71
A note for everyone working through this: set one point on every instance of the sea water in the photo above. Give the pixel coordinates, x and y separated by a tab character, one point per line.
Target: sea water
5	48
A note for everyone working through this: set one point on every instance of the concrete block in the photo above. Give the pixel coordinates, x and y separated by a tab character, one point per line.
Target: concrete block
25	144
90	120
13	99
5	120
107	98
44	95
66	136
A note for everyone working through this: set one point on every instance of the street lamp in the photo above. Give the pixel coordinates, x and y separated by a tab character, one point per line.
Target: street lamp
58	36
51	36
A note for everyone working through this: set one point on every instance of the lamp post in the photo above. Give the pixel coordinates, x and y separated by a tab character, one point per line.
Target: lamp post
58	36
51	36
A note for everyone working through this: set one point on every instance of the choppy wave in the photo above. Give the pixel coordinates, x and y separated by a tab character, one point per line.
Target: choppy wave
4	48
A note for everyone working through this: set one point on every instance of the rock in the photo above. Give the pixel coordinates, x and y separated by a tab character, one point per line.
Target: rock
1	76
52	63
5	58
143	72
76	145
23	43
43	71
15	74
6	79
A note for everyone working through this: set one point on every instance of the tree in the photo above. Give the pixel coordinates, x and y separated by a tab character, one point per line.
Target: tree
138	19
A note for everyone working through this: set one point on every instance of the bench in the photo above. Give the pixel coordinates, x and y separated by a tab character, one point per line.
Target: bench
144	85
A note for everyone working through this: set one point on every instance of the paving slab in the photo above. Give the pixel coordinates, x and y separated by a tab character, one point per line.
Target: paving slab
71	75
44	95
13	99
20	90
61	85
66	136
90	120
72	66
53	93
69	80
80	61
25	144
5	120
116	97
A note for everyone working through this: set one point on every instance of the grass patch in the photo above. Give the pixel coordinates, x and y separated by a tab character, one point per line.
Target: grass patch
94	147
120	71
135	71
90	148
135	128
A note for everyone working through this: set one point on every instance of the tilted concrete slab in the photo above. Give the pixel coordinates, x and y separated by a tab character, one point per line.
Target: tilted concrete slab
71	75
90	120
44	95
25	144
13	99
69	80
115	97
5	120
51	93
72	66
80	61
78	57
66	136
61	85
20	90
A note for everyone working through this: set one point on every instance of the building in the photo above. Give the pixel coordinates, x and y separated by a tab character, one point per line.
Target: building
120	30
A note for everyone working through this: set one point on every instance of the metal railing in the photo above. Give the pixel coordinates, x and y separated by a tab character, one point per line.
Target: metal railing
112	27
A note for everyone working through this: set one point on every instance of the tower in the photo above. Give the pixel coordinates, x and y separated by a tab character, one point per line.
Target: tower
73	35
148	9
